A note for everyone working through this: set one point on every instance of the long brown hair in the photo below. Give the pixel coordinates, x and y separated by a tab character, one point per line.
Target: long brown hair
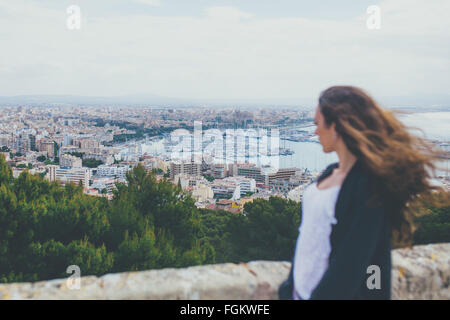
400	163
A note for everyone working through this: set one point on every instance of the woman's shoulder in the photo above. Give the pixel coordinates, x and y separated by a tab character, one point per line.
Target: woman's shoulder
327	171
359	178
363	187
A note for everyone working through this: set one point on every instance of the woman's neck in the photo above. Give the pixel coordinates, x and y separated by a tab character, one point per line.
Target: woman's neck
346	159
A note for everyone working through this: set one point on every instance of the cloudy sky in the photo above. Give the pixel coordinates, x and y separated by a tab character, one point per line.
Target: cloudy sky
224	49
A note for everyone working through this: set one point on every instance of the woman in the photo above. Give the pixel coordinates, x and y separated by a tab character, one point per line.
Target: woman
357	206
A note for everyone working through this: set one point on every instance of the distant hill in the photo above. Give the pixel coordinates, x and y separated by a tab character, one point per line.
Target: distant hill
421	103
87	100
144	99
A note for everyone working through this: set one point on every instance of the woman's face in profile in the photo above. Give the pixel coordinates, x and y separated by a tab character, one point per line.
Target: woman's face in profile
326	135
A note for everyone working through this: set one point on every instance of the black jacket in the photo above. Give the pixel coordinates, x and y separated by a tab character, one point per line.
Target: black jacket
361	238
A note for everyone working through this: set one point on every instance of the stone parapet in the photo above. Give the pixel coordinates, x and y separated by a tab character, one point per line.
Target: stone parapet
422	272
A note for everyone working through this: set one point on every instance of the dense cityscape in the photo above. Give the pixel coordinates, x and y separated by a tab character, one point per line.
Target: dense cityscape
97	146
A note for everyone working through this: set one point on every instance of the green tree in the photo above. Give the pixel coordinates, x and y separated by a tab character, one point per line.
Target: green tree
269	230
55	148
433	227
148	224
209	178
91	163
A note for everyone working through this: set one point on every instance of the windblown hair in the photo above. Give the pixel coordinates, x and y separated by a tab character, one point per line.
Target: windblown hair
400	163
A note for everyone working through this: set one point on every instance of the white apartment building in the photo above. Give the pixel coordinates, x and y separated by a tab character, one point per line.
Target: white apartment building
202	193
218	171
246	184
66	175
226	187
5	140
112	171
104	183
223	190
67	140
70	161
68	149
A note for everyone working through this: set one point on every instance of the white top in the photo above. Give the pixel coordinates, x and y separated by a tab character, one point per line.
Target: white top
313	243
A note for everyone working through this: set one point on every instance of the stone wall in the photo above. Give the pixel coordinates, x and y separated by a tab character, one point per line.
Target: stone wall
419	273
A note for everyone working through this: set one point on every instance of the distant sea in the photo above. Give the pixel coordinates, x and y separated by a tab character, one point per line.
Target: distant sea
309	155
436	126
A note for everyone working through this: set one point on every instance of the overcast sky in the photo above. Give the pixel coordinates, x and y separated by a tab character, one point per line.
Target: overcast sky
224	49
